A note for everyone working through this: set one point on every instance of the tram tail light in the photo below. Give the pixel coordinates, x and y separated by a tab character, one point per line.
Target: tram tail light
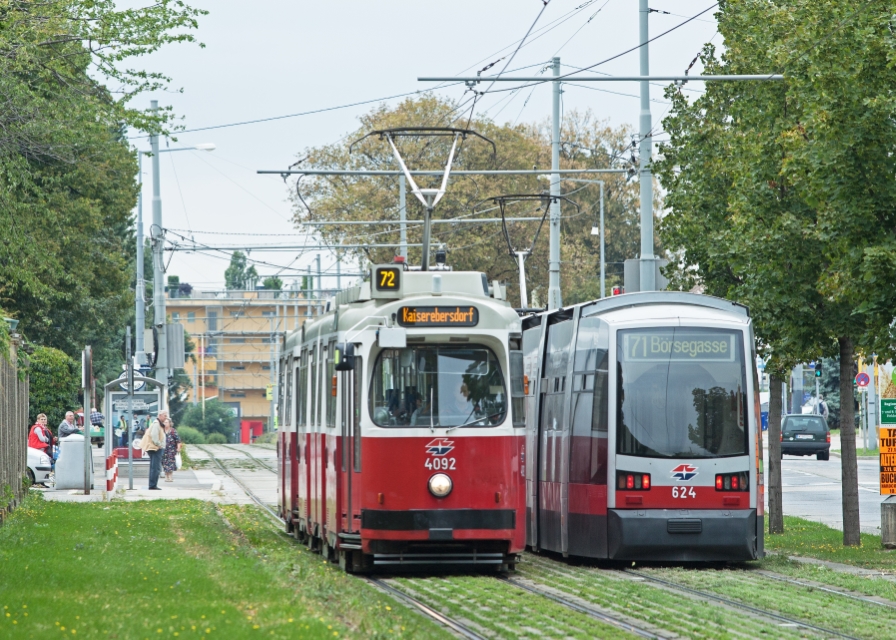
732	481
633	481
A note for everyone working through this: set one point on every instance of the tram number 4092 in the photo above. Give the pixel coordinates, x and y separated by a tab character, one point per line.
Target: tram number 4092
440	464
683	492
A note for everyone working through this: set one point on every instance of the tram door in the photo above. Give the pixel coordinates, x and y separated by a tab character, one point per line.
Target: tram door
554	437
350	433
588	417
532	370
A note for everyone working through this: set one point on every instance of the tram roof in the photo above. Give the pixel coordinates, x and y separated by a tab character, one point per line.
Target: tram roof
630	300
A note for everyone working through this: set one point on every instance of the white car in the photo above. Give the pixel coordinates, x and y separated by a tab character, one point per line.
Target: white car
40	467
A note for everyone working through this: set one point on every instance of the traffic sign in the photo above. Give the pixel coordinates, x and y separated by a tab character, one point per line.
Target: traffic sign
887	460
124	384
863	379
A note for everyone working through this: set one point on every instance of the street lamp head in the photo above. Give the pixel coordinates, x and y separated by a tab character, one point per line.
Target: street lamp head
205	146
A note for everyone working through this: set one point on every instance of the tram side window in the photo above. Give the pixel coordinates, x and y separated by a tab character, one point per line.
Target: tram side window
303	390
517	389
556	369
356	411
328	386
588	453
313	373
287	402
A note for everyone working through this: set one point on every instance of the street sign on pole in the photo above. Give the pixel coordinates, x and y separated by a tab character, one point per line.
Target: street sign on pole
863	379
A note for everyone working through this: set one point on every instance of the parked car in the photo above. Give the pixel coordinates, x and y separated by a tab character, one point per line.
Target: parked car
805	435
39	466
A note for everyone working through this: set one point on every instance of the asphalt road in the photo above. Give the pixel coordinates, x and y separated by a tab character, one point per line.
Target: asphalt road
812	490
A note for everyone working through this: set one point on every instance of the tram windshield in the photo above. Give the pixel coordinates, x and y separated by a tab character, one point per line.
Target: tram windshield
681	393
439	386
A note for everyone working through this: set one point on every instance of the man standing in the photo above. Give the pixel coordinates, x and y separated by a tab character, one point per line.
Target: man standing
68	427
154	446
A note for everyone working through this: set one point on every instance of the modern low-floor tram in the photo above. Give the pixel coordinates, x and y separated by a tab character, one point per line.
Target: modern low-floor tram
401	424
642	428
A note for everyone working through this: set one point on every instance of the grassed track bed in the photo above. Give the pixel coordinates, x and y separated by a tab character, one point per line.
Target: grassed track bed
821	608
496	609
688	616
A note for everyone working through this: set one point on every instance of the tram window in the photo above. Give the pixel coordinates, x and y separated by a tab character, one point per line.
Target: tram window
588	453
681	393
288	401
328	386
358	374
302	395
313	373
442	386
517	389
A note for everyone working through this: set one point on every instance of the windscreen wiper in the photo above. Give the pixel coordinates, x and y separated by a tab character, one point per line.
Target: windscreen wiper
467	424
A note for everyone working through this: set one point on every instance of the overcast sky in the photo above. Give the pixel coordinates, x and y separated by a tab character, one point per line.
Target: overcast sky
272	58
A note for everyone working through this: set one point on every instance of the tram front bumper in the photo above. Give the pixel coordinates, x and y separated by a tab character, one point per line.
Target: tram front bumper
694	535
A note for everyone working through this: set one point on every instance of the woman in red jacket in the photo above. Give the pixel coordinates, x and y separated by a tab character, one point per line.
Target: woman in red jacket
40	437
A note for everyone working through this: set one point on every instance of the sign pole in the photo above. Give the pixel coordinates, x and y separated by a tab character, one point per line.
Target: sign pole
86	380
130	424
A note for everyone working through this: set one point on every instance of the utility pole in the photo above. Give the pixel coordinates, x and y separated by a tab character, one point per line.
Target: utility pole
603	237
273	379
320	287
158	285
648	261
308	287
140	303
403	216
338	271
555	298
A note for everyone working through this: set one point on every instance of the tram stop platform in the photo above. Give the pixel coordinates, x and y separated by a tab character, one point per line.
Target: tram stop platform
189	484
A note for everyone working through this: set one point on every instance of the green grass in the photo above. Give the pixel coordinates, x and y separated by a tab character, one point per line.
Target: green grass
862	452
186	569
823	575
815	540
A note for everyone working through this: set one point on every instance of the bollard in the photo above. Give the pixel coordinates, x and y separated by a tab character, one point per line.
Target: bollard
888	523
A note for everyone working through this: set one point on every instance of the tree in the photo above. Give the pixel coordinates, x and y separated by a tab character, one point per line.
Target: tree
66	171
238	275
481	247
180	383
215	418
54	383
273	283
780	192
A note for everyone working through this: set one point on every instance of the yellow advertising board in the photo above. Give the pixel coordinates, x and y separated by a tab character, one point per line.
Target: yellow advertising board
887	460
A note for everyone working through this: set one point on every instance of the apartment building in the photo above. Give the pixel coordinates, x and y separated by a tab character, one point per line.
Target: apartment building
237	337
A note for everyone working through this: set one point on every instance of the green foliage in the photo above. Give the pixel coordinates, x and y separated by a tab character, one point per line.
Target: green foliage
66	170
217	418
273	282
190	435
216	438
587	143
238	275
55	379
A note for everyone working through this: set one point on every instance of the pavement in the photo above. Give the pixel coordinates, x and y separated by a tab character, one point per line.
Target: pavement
812	489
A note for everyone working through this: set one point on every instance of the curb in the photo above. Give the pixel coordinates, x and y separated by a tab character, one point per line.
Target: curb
836	454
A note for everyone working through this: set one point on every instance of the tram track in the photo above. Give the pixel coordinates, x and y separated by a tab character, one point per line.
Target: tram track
259	461
454	625
738	604
826	588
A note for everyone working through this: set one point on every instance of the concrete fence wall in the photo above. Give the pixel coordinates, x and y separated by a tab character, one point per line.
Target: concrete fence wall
13	431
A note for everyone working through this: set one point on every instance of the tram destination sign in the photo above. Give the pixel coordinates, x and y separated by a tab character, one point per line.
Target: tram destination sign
447	316
887	460
690	346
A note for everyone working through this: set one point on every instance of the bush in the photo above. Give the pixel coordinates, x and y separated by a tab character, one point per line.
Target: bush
190	435
216	418
216	438
54	379
266	438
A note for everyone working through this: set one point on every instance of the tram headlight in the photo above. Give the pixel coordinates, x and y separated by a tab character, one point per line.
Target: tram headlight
440	485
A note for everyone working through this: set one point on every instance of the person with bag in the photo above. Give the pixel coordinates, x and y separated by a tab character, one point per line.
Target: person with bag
172	451
153	443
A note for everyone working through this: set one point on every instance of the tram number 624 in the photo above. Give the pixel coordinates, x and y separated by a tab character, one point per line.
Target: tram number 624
683	492
440	464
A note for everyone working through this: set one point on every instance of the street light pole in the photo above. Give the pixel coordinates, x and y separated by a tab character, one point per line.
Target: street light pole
158	286
555	298
140	293
647	268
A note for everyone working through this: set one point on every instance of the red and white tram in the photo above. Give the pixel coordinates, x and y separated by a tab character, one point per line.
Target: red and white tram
643	417
402	436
